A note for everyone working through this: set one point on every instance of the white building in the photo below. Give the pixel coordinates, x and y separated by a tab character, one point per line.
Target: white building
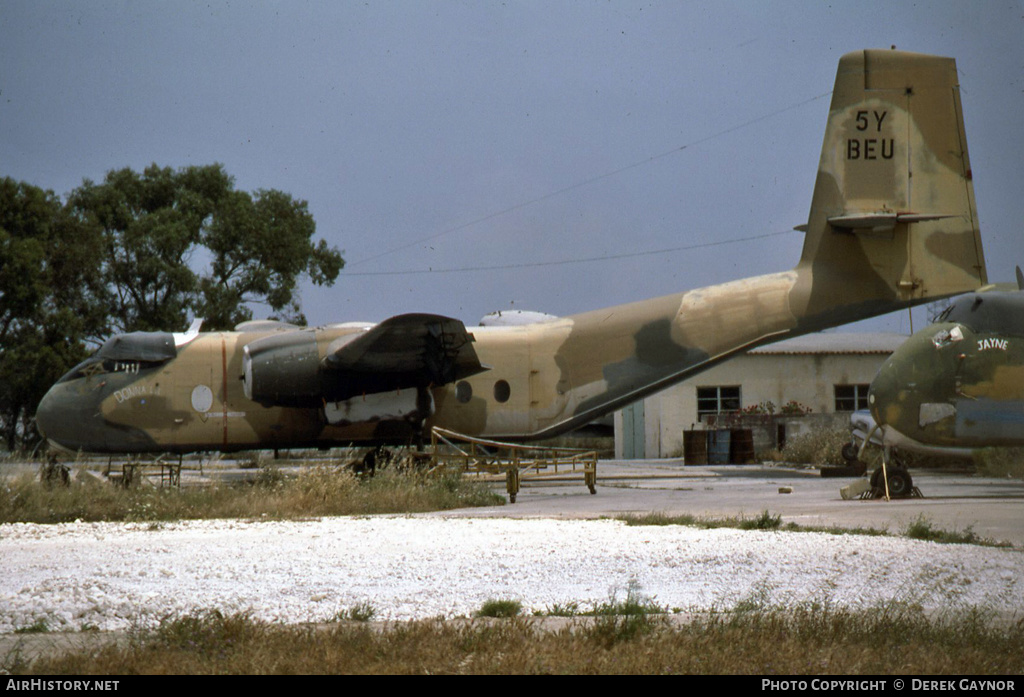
828	373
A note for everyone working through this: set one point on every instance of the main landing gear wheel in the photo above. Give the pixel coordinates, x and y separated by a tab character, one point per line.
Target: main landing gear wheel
850	452
900	483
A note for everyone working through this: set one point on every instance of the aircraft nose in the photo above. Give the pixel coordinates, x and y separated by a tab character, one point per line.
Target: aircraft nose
883	393
47	420
917	372
64	417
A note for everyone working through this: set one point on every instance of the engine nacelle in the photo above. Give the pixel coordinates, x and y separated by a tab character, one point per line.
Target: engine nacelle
283	370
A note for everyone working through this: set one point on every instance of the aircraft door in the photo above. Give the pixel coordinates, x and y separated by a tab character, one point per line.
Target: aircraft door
550	387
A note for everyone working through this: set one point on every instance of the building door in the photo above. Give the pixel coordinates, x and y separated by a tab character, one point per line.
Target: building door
633	432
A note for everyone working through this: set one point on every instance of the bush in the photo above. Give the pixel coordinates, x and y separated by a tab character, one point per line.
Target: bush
823	447
1000	462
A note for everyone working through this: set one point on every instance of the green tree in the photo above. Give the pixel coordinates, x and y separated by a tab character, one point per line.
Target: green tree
52	300
148	224
156	224
261	245
139	252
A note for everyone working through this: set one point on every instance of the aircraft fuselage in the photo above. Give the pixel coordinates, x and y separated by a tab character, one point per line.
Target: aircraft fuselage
540	379
958	384
873	244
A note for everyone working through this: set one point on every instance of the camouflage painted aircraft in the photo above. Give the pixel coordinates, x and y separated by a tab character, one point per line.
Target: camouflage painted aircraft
958	384
892	224
953	387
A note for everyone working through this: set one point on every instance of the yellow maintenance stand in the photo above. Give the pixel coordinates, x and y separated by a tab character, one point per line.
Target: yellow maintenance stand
515	461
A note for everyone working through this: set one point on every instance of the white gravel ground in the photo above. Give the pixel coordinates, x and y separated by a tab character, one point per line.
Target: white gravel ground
114	575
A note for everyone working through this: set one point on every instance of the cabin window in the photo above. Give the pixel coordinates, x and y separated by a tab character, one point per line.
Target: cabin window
717	400
502	391
463	391
851	397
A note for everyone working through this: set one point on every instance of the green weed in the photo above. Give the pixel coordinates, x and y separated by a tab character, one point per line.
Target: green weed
922	529
38	627
361	612
500	608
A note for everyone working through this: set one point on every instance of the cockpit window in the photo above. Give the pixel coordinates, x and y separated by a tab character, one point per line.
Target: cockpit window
128	353
139	346
945	337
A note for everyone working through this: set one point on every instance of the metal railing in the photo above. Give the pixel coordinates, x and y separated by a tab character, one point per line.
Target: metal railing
513	460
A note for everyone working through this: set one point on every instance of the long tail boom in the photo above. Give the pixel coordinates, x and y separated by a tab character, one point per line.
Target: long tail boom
892	224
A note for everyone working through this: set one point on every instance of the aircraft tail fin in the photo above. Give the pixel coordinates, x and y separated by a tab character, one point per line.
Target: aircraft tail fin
893	218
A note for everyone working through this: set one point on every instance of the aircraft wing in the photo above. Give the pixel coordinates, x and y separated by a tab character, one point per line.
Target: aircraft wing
406	351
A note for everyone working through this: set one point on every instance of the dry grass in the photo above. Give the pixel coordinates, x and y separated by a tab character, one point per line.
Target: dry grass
318	491
749	639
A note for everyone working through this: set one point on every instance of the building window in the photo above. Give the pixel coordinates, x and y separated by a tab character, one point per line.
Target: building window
851	397
717	400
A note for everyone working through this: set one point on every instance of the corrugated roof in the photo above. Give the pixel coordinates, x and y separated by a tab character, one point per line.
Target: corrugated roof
836	343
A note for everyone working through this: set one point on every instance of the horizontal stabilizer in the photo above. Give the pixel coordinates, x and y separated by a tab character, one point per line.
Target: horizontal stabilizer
882	220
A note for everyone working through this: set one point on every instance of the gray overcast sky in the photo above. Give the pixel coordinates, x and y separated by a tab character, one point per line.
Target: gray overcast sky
481	134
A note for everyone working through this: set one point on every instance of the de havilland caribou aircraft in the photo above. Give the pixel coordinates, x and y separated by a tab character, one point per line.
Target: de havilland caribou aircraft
953	387
892	224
